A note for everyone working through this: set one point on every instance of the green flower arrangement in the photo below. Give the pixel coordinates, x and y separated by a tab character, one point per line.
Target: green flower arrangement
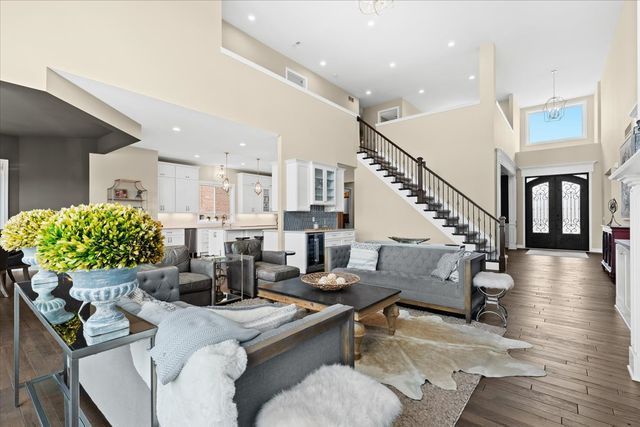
99	236
22	230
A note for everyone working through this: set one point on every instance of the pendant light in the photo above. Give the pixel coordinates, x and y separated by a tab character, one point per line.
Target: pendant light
258	187
371	7
226	185
554	107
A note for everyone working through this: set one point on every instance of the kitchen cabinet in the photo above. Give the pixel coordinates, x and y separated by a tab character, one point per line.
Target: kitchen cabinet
248	200
178	189
312	183
211	240
338	238
166	194
187	195
623	279
173	236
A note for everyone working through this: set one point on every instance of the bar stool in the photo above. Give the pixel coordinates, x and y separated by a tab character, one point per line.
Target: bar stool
501	282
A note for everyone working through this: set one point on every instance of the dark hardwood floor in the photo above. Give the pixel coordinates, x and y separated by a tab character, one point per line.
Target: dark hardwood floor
563	306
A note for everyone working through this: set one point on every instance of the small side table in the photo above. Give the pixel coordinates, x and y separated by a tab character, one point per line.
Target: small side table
501	283
220	275
69	337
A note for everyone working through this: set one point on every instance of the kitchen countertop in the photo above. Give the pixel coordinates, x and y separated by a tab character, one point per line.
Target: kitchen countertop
232	228
319	230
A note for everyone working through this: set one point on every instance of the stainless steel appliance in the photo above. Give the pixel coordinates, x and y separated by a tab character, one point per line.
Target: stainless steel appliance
315	252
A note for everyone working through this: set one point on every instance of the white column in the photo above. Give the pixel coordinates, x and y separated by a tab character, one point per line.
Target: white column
629	173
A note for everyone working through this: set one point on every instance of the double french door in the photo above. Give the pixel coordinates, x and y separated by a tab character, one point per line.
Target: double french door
557	212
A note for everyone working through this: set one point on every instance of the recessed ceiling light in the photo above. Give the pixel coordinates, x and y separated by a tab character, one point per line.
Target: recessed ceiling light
251	17
368	92
421	91
323	63
371	23
472	77
451	43
197	156
242	164
392	64
176	129
242	144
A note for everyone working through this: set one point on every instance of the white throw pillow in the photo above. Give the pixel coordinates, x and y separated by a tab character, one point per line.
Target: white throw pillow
153	312
262	317
364	256
447	265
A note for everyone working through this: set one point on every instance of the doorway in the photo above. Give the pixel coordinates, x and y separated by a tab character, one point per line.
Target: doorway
557	211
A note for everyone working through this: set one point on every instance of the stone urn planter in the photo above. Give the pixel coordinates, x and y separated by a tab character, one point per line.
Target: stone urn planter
42	283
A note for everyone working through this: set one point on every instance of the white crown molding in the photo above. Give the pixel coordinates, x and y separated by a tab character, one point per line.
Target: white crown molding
506	161
283	80
558	169
629	172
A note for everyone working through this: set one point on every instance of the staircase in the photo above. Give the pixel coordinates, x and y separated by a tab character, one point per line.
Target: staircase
455	214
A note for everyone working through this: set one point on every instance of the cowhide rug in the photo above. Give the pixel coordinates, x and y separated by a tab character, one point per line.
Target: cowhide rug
427	348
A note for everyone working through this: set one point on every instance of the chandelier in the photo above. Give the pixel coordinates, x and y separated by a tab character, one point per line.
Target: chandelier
371	7
226	185
220	174
258	187
554	107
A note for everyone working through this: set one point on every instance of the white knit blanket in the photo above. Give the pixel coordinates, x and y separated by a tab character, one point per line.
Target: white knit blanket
202	395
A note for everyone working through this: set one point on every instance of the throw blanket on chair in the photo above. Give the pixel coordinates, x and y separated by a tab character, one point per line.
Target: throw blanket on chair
198	359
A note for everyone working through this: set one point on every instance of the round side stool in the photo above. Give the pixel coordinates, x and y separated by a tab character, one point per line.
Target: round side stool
502	283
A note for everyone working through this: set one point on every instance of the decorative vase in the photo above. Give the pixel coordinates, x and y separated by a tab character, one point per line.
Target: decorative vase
103	288
42	283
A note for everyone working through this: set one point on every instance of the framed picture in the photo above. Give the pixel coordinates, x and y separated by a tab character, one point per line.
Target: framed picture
120	193
628	149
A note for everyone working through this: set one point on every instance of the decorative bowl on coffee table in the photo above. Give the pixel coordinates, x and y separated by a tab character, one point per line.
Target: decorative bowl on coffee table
327	282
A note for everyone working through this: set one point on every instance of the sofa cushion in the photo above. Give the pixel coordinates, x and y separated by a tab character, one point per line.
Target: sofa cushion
248	247
178	256
446	265
194	282
364	256
275	272
420	260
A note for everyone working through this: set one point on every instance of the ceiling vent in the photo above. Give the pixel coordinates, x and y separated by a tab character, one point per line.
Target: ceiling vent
295	78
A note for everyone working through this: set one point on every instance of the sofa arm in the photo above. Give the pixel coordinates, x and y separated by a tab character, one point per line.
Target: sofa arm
202	266
275	257
162	283
337	257
467	269
281	358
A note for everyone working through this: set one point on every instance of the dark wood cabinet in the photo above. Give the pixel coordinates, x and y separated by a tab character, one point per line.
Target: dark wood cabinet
609	236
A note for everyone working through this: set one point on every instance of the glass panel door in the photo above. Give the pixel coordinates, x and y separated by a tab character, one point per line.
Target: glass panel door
318	185
331	187
540	208
570	208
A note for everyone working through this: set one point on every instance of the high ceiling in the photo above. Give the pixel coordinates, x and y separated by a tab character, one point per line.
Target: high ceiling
178	133
531	39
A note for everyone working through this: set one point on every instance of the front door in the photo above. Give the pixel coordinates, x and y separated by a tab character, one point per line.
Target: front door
557	212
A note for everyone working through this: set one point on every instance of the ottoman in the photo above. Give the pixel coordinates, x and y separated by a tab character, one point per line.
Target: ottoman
500	282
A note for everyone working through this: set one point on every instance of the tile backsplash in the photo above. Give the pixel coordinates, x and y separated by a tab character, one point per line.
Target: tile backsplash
301	220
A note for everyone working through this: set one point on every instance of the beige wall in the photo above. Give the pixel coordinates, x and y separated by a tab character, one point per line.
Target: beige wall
386	213
565	155
125	163
244	45
591	128
169	51
618	91
505	137
408	109
370	114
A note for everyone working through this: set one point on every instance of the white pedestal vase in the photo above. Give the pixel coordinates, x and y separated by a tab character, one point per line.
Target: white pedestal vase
42	283
103	288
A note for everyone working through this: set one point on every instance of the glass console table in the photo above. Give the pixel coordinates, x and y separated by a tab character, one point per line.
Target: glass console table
69	337
223	269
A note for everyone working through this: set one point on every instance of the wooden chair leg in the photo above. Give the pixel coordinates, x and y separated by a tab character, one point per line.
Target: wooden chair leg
3	284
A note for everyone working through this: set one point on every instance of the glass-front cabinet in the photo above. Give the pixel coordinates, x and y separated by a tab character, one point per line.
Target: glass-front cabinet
324	185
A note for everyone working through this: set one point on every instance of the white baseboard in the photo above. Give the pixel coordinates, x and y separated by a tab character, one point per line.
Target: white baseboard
596	250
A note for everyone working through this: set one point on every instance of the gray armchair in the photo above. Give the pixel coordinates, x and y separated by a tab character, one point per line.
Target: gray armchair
258	266
177	272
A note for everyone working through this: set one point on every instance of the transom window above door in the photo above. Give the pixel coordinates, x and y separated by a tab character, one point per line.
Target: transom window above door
571	127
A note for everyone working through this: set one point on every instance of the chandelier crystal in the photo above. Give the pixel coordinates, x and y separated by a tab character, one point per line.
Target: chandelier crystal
374	7
554	107
258	187
226	185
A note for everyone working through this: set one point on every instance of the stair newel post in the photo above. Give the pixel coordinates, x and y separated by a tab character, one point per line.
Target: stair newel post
502	259
420	180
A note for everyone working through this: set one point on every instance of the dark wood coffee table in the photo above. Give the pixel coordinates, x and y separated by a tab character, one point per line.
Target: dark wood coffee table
365	300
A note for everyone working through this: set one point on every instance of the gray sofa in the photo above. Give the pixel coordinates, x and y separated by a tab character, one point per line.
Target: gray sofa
277	360
258	266
408	268
193	277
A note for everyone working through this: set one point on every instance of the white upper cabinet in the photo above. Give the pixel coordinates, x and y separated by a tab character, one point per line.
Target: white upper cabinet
311	183
178	188
248	200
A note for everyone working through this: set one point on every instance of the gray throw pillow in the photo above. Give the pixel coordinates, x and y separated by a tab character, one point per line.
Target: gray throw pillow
447	264
364	256
183	332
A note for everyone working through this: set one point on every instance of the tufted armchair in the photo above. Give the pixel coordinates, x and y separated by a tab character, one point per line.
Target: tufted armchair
192	279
